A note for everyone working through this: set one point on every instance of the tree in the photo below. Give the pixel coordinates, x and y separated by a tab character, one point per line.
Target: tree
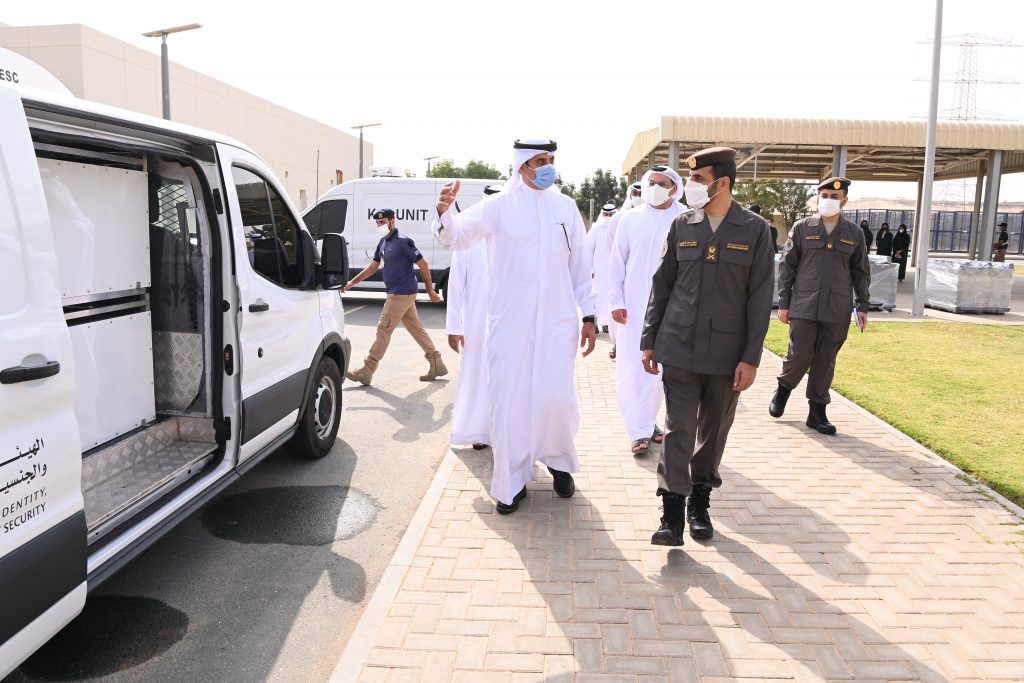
603	187
786	197
478	169
446	168
792	199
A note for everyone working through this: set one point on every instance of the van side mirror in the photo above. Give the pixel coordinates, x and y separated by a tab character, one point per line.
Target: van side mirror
333	262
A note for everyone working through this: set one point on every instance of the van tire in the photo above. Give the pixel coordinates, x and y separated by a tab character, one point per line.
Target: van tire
321	416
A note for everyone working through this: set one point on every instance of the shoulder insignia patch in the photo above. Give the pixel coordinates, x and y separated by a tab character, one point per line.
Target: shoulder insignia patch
788	246
688	243
664	248
737	247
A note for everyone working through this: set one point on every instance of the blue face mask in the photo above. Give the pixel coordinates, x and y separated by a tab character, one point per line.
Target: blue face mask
545	177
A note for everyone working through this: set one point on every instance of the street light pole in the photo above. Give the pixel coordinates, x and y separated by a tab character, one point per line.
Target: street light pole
360	129
165	79
924	217
428	160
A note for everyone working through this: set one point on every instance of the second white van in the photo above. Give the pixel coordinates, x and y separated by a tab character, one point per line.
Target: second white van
346	208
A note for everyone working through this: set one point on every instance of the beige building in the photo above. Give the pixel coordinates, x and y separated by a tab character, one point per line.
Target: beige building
99	68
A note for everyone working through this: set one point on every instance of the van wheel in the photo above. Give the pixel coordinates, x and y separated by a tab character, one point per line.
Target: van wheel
318	424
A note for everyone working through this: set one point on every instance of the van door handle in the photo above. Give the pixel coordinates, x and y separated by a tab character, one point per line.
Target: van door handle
22	373
259	307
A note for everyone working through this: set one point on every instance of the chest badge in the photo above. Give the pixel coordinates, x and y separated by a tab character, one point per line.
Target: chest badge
712	254
828	245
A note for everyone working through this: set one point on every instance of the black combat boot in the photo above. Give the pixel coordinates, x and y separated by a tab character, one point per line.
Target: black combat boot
778	405
672	521
697	513
817	419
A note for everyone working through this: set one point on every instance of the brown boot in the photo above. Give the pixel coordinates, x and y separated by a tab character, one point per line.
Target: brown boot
437	368
363	375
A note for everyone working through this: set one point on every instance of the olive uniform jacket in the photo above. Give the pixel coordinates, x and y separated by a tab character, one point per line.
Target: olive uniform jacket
711	297
819	273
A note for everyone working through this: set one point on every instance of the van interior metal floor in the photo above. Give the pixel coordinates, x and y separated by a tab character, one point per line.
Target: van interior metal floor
120	475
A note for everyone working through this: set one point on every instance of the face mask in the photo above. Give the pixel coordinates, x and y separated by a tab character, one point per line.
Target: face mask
828	207
545	177
697	194
636	201
655	195
383	230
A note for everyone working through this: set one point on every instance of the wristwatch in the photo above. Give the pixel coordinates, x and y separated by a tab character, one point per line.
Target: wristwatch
589	319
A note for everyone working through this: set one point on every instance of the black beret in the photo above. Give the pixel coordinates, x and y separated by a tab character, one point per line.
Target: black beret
381	214
1003	224
492	189
834	184
711	156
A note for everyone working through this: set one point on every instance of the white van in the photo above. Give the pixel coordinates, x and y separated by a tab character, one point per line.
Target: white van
346	208
164	324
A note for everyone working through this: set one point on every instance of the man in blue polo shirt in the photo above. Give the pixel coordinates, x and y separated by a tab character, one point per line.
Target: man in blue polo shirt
397	254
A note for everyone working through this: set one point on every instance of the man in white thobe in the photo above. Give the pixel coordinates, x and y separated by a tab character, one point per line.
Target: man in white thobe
466	326
539	272
636	253
600	248
632	200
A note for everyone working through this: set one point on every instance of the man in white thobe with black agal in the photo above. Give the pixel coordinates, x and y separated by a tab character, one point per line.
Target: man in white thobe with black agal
466	326
539	279
633	199
635	255
600	248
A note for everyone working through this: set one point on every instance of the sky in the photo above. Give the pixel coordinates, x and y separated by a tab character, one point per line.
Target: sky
462	80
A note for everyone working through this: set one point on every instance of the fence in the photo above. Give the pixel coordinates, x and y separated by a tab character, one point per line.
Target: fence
951	230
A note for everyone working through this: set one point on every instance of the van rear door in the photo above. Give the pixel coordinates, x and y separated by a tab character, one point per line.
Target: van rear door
42	521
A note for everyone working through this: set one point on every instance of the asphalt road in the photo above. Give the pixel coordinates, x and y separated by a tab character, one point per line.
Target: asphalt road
269	580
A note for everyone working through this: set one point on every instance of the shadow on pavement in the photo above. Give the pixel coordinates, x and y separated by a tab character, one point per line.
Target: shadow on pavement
629	607
241	593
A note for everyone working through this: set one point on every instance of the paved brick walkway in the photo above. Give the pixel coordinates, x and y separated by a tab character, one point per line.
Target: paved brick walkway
856	557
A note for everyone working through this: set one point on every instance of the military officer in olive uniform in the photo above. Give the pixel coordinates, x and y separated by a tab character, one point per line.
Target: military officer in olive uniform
824	262
708	314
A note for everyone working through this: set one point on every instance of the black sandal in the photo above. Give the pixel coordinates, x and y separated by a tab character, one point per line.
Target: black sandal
611	354
658	436
479	446
641	446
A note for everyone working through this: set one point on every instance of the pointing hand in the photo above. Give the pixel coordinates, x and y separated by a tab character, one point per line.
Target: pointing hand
447	197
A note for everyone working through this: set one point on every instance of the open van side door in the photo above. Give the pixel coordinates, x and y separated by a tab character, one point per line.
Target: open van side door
280	329
42	520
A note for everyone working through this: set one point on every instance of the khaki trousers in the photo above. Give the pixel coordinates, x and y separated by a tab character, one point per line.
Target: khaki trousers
400	308
813	345
699	410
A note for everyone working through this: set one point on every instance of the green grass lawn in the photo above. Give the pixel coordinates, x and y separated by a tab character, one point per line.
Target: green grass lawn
956	388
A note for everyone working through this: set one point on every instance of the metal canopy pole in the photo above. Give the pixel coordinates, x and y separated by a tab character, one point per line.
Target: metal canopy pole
972	246
924	216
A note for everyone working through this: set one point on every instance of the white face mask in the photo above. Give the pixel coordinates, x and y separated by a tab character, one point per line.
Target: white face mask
655	195
636	201
697	194
828	207
383	230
